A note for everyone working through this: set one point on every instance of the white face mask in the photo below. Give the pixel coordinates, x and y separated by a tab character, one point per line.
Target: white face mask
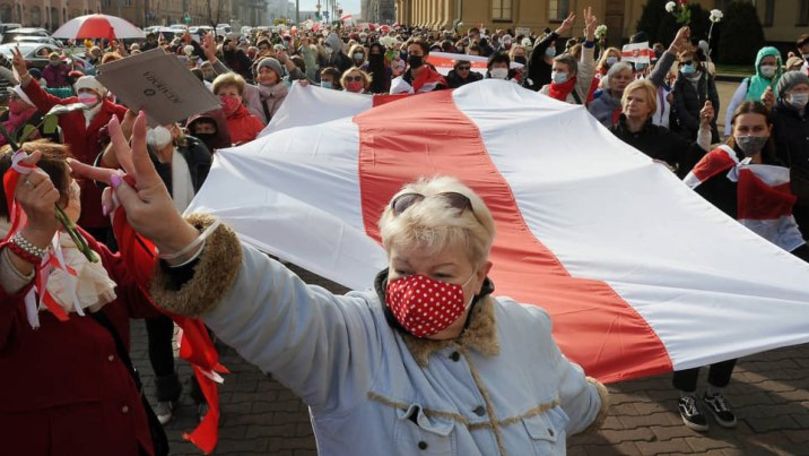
798	100
768	71
559	77
359	56
88	99
158	137
499	73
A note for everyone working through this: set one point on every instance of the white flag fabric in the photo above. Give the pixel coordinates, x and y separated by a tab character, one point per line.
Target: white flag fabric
639	273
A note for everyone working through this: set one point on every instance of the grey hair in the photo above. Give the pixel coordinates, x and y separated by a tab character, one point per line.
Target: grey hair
615	69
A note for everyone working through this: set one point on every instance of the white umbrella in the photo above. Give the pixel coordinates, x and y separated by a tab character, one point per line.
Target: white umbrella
98	26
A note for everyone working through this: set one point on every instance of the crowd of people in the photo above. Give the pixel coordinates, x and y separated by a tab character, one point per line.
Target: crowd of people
76	371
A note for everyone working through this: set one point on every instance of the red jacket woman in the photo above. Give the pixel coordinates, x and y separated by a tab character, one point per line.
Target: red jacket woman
64	388
81	130
243	126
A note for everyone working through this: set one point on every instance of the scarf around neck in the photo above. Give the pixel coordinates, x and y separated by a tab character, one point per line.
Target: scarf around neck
561	91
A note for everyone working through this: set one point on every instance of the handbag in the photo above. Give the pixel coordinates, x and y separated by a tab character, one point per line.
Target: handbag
159	438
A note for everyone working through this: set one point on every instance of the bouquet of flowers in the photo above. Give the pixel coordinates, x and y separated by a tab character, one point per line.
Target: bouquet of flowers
680	10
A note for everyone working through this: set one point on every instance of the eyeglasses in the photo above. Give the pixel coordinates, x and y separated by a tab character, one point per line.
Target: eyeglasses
454	200
353	78
464	68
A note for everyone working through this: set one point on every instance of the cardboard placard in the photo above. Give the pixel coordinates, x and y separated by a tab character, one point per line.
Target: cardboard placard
158	83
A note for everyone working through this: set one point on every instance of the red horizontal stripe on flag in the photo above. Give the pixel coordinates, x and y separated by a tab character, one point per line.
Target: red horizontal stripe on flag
759	201
430	136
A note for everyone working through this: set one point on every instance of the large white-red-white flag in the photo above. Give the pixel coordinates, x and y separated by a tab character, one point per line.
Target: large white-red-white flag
639	273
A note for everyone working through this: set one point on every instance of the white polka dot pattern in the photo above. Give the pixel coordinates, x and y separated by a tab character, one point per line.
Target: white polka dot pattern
424	306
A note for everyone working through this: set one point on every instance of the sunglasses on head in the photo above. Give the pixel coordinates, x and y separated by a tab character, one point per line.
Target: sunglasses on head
353	78
453	199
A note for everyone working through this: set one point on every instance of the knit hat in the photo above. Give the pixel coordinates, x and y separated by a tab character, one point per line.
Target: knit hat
90	82
789	80
271	63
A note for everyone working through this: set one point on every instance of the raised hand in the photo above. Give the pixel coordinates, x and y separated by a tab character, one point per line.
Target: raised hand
590	24
567	24
707	113
768	98
209	47
680	40
148	207
18	62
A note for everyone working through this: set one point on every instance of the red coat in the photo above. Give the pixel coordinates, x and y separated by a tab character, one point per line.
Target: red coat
84	145
63	388
243	126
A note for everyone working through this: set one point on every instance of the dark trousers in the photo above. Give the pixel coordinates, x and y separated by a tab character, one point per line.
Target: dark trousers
718	376
161	355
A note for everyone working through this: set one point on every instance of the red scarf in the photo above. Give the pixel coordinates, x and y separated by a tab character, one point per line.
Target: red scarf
561	91
196	346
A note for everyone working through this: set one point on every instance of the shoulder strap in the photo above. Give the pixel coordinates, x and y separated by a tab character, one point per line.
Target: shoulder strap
576	96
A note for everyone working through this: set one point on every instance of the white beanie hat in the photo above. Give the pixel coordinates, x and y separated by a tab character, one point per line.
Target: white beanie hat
90	82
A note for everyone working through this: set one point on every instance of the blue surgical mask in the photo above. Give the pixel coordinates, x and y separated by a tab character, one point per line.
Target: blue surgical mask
559	77
326	84
612	61
688	70
550	52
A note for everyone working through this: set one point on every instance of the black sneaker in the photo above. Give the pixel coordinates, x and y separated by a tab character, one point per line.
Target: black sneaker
720	410
691	414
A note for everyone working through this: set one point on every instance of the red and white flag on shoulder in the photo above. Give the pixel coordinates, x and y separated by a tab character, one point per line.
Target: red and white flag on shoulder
640	274
765	199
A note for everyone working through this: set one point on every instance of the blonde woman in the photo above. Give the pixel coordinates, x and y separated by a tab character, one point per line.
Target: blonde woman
355	80
387	371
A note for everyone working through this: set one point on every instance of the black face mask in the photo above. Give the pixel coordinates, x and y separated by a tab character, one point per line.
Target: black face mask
206	138
376	58
415	61
520	59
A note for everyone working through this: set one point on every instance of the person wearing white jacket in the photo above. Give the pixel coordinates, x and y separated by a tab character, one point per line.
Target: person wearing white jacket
426	363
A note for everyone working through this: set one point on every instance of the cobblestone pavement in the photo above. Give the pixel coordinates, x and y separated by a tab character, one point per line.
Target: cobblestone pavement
770	393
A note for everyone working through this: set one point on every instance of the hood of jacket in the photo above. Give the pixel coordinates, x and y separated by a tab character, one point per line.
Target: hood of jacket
767	51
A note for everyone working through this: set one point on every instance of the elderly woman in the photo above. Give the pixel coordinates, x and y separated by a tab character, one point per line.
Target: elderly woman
69	386
635	127
427	362
242	125
355	80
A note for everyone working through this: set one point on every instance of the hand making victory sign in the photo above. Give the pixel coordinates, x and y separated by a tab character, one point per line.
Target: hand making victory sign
142	194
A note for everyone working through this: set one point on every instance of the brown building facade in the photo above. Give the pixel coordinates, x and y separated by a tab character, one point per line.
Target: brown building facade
783	20
50	14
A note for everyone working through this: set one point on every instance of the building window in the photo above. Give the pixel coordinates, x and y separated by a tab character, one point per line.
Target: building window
558	10
501	10
803	12
769	13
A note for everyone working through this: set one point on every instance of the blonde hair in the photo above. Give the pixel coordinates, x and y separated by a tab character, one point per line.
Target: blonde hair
644	85
366	78
433	224
228	80
602	62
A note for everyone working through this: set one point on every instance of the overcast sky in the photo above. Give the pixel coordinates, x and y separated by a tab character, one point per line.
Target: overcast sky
351	6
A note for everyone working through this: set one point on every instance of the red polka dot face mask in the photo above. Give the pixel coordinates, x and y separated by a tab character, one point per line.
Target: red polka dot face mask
424	306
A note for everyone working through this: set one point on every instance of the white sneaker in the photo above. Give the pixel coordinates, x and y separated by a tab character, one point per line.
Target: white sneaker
164	411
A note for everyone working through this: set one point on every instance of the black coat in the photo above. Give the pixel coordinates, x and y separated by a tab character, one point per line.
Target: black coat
661	144
689	101
199	163
791	134
454	80
538	73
